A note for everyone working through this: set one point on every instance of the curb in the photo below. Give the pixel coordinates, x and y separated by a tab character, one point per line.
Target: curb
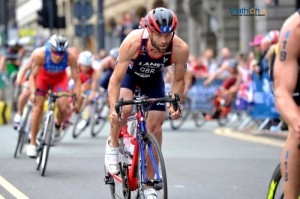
280	134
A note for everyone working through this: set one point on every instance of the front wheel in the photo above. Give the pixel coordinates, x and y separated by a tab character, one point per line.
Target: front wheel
76	130
98	122
276	185
147	175
49	127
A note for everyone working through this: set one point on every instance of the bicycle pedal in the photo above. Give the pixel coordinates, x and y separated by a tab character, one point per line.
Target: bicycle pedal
108	180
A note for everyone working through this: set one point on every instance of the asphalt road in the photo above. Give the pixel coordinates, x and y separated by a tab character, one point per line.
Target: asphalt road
207	162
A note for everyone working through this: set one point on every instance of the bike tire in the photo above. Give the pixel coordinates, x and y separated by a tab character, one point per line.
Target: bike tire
76	131
199	118
97	123
222	121
25	140
22	138
49	128
275	189
161	188
176	124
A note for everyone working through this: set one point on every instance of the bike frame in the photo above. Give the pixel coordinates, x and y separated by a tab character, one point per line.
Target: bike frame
132	169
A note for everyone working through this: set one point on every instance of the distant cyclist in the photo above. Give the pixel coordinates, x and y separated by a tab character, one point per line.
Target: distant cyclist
88	73
49	69
287	99
23	80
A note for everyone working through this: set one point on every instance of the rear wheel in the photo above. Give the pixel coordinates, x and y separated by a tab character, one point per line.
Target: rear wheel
97	121
159	180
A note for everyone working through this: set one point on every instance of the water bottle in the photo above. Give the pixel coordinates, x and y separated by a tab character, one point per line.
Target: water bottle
128	141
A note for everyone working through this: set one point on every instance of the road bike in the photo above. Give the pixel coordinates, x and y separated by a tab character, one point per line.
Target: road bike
46	138
94	113
275	189
133	173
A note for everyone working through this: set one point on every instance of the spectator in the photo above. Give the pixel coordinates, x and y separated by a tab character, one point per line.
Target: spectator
208	60
159	3
139	14
127	25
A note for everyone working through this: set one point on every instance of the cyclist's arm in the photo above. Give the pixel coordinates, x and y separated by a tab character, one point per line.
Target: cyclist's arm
128	50
213	76
181	55
74	73
37	60
169	77
104	65
189	75
23	70
95	84
286	73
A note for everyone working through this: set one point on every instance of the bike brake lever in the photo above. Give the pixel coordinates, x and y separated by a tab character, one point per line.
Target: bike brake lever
118	108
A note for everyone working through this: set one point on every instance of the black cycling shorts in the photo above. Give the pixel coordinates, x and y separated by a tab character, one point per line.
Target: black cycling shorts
152	87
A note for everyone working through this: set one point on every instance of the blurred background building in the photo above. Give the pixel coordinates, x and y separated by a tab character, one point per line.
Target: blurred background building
202	23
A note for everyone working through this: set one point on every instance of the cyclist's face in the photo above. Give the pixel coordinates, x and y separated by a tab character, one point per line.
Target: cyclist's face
84	68
161	41
56	57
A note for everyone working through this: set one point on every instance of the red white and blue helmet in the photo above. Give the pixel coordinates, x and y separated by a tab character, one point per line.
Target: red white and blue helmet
161	20
58	43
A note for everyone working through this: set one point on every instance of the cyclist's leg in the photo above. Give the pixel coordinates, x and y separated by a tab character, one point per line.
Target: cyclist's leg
37	113
23	98
63	102
85	86
112	144
155	121
156	116
290	166
126	94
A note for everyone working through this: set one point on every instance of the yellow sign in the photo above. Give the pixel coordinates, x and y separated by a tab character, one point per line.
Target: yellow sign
26	32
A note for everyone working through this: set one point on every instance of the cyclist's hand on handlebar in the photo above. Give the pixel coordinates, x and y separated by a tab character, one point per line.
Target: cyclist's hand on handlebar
114	117
174	115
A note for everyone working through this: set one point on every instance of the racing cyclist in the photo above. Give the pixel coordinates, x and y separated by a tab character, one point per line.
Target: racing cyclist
143	55
50	62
